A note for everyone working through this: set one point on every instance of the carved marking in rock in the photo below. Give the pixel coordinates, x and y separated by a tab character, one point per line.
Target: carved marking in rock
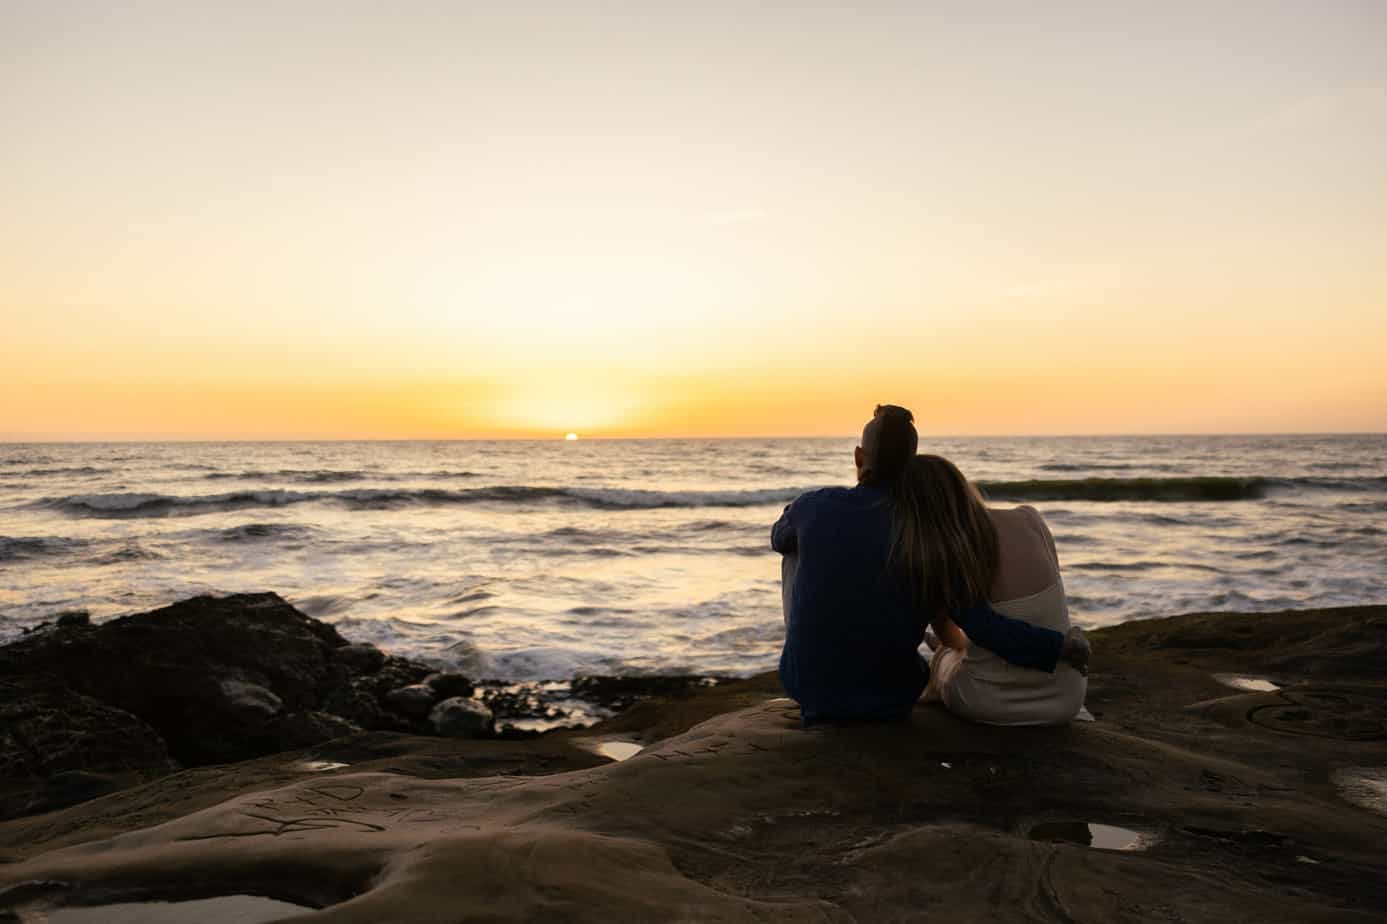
300	813
279	826
1323	714
342	793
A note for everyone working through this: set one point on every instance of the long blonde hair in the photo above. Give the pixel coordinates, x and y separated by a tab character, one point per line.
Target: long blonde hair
942	539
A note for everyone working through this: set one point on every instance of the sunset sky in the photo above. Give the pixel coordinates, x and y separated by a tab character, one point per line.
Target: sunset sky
346	220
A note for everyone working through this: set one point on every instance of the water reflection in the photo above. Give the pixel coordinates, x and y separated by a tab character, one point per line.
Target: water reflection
1365	787
316	766
225	909
1250	684
619	750
1089	834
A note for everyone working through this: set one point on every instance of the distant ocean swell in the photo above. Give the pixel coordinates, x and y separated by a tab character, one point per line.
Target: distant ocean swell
17	548
1170	489
131	504
300	476
64	470
254	532
328	476
128	504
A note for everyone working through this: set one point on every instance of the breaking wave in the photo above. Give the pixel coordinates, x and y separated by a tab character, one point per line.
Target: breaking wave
1125	489
1170	489
331	476
133	504
17	548
255	532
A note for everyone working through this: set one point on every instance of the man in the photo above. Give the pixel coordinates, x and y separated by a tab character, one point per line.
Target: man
851	632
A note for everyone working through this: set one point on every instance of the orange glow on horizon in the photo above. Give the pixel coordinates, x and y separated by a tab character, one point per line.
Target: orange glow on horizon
686	226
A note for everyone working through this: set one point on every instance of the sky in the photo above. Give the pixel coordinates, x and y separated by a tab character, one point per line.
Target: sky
453	220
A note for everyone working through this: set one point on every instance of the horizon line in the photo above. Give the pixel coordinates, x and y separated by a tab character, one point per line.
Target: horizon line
560	438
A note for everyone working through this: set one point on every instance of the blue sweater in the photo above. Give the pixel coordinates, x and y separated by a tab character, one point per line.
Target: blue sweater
852	630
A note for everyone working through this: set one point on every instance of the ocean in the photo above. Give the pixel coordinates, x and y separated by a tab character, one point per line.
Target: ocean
541	560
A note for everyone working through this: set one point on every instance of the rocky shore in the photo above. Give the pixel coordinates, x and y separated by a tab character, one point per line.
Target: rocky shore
87	709
232	750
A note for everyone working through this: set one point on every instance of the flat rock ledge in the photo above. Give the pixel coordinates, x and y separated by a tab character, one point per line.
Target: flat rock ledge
1235	801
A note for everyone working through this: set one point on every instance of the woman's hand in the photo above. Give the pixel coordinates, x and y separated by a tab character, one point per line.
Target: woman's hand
947	633
1076	650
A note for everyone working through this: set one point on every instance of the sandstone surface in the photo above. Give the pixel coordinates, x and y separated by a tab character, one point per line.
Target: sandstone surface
1239	804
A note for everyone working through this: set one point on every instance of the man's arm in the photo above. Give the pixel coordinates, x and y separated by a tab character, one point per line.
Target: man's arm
1013	640
783	537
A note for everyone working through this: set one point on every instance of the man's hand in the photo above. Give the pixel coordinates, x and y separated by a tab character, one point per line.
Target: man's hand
1076	650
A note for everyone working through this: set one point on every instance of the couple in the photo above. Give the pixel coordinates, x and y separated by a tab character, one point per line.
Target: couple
868	570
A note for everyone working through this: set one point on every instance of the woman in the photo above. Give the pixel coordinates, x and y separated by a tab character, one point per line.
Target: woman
957	551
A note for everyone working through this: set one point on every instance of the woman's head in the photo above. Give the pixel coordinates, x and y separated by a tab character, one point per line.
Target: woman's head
943	541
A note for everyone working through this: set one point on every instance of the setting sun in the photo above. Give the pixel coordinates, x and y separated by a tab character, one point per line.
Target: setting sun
570	437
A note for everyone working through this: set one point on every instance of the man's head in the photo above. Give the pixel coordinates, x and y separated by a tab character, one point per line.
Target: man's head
888	444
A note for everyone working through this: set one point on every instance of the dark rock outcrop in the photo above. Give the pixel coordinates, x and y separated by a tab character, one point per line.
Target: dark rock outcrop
356	701
206	680
361	657
188	670
48	732
365	698
73	618
56	729
296	730
214	680
415	700
460	717
620	692
450	683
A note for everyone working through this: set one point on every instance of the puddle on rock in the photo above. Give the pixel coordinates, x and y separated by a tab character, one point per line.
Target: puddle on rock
316	766
1363	786
619	750
225	909
1247	683
1087	834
